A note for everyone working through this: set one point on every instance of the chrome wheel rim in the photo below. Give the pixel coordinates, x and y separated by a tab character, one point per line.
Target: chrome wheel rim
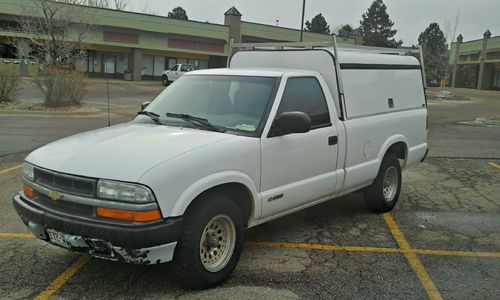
390	184
217	243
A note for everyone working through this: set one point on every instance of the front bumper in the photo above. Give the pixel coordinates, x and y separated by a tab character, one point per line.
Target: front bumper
142	244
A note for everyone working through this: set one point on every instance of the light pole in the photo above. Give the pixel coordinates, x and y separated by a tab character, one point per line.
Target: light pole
302	24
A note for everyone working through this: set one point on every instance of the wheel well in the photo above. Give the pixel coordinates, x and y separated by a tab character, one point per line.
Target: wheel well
400	150
237	192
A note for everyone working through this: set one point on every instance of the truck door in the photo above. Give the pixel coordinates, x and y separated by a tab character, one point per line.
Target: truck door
174	73
300	168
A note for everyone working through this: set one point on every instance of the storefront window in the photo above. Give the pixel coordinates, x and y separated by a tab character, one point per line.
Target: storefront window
147	65
203	65
159	65
171	62
122	63
496	80
109	63
94	62
194	62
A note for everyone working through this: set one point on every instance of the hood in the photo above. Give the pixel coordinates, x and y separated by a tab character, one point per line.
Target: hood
121	152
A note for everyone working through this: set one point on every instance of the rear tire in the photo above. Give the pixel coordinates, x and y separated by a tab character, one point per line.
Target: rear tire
165	80
384	192
211	245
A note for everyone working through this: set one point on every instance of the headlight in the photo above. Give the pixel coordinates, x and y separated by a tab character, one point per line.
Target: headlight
29	171
121	191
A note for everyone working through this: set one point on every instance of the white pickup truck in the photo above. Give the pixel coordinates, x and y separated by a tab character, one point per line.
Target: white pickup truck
175	73
222	150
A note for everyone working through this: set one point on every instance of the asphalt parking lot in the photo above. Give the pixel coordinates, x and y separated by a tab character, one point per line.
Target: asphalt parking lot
441	241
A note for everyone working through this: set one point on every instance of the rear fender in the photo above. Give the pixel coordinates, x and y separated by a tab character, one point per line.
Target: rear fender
388	143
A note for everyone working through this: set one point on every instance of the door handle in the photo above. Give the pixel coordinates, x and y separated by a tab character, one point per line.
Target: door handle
332	140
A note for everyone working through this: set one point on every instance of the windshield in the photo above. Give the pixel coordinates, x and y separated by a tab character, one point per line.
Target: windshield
230	102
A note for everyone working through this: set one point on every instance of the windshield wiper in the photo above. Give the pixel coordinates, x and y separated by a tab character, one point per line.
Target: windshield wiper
155	117
197	121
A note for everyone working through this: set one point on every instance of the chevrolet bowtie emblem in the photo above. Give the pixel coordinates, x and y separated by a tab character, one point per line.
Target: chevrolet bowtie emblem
55	195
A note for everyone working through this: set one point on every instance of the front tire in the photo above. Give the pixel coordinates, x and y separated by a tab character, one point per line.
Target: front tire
384	192
211	244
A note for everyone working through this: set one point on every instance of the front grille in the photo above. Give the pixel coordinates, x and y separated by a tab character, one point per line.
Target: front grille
65	207
75	185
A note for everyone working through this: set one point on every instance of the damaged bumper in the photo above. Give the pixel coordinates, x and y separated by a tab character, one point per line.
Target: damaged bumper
139	244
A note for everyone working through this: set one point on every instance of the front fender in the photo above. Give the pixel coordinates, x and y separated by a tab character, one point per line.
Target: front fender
213	180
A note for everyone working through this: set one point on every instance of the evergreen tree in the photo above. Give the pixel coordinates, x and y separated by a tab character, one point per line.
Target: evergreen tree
318	24
376	27
178	13
347	31
434	47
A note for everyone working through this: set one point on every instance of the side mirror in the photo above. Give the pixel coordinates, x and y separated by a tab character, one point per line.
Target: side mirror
291	122
144	105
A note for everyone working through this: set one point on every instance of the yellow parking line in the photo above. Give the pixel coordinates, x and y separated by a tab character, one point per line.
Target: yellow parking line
322	247
16	235
255	244
494	164
63	278
412	258
457	253
10	169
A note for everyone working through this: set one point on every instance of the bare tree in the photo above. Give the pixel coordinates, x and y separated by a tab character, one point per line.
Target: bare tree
115	4
121	4
143	8
56	30
449	33
96	3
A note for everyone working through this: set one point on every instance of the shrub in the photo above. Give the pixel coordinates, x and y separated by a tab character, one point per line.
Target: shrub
8	86
61	87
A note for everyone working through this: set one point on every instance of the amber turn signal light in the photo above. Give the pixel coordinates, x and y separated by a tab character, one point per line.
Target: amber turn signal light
28	191
128	215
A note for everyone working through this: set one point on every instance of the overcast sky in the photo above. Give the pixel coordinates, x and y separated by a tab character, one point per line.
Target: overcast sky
410	16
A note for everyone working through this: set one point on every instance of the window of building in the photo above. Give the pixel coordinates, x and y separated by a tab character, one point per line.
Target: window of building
305	94
122	60
159	65
109	63
203	64
171	62
194	62
147	65
94	62
496	80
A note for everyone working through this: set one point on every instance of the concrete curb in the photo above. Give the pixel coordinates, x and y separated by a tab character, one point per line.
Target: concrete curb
40	113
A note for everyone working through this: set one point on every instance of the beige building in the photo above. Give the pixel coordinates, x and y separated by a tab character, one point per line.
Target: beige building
476	63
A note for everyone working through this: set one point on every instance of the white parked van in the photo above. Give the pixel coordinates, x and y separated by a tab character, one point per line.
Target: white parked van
222	150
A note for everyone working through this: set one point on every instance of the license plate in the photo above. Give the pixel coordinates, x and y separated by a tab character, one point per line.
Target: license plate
57	238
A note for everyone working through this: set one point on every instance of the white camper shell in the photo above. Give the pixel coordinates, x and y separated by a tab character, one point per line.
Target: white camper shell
369	80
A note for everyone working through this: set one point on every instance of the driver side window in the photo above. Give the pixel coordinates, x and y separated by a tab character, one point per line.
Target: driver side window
305	94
